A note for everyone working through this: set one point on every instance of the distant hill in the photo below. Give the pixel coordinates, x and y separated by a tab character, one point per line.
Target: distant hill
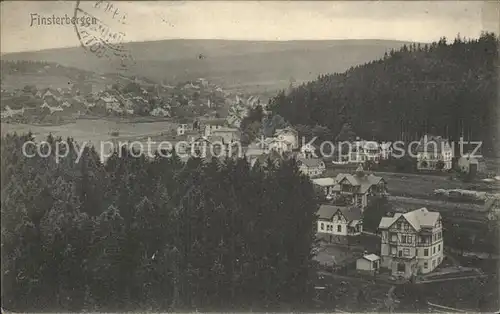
254	66
443	88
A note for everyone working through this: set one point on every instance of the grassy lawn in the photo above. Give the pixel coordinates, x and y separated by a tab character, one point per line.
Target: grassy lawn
464	294
415	185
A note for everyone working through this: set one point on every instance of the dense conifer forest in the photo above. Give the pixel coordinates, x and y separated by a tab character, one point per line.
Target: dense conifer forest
444	88
161	235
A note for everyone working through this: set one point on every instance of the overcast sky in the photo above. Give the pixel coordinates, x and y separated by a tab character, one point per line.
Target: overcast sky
405	20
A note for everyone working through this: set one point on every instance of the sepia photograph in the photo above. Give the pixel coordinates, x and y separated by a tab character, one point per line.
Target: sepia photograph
250	156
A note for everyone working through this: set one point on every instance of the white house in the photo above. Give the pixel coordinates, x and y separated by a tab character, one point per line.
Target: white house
288	134
339	220
361	151
311	166
325	184
66	104
159	112
8	112
307	150
368	263
469	163
431	151
182	128
212	125
385	150
278	145
411	243
228	134
51	109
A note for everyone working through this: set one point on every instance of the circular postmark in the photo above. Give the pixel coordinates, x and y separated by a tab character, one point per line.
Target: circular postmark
97	25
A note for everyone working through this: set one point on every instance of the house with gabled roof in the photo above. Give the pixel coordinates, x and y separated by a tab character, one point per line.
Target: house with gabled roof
51	94
312	167
339	221
434	149
228	134
412	242
289	135
368	263
324	184
208	126
9	112
359	186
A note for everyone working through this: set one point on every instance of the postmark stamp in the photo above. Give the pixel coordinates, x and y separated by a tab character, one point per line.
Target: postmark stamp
104	38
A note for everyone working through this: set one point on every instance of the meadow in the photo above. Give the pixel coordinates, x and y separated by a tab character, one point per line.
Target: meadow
91	131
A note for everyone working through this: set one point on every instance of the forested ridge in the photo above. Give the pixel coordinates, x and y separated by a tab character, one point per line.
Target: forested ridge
444	88
161	235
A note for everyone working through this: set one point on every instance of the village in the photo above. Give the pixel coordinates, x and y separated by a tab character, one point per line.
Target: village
252	164
112	96
376	227
373	224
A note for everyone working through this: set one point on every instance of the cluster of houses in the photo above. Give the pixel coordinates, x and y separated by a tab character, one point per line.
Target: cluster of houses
411	243
433	153
205	138
282	145
51	101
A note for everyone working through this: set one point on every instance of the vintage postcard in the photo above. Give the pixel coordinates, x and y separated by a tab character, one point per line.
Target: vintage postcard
250	156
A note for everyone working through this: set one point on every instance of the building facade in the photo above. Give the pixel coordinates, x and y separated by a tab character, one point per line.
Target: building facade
433	151
411	243
289	135
359	187
339	220
312	167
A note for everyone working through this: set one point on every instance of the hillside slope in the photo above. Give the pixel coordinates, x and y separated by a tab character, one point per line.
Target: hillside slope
447	89
252	65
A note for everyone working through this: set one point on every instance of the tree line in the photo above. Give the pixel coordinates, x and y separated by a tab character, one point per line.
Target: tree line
449	89
158	235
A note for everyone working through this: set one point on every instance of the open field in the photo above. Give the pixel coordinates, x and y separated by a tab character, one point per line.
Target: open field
91	131
419	185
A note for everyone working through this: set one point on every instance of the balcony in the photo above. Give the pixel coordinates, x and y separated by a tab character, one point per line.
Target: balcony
393	241
403	257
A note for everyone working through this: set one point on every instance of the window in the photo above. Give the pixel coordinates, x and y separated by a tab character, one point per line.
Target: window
406	252
433	250
426	265
410	239
403	239
400	253
407	227
322	226
426	252
339	228
416	252
401	267
398	226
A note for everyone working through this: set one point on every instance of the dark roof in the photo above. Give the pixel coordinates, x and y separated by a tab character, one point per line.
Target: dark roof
363	181
214	122
310	162
275	157
350	213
